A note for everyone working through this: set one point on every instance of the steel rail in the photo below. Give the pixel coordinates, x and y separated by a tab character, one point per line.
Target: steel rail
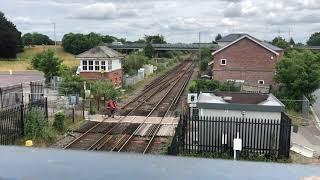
175	101
126	142
152	87
97	144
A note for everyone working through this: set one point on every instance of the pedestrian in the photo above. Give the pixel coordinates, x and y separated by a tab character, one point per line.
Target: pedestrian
112	107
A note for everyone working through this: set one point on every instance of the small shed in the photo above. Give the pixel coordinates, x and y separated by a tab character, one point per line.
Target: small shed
102	63
241	105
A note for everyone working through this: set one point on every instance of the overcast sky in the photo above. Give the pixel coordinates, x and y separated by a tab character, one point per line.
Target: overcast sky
177	20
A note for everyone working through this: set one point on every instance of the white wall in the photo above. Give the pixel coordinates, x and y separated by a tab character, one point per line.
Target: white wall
116	64
248	114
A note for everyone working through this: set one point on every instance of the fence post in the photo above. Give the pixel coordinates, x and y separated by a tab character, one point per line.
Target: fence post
22	119
46	106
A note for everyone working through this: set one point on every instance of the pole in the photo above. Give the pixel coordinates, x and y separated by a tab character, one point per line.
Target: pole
200	46
54	34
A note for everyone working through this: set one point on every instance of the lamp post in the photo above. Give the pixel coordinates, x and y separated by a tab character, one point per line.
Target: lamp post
54	34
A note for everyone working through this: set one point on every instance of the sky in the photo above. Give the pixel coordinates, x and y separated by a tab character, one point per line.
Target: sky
177	20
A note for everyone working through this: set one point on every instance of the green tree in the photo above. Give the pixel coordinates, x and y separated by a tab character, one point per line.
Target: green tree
212	85
204	65
314	39
36	39
218	37
299	73
27	39
71	84
280	42
108	39
206	53
104	89
133	62
291	42
148	51
48	63
10	38
155	39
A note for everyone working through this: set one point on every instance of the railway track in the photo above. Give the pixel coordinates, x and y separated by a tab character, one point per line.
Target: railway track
162	94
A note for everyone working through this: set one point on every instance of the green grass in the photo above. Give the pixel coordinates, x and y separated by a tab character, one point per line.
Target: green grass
23	60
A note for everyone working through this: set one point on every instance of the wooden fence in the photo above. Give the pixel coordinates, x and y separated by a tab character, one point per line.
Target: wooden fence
215	134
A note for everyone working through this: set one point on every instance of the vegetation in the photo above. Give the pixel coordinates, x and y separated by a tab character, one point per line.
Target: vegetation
59	120
314	39
36	39
148	51
71	84
48	63
243	156
10	38
218	37
155	39
78	43
23	60
37	126
212	85
281	43
133	62
103	89
298	74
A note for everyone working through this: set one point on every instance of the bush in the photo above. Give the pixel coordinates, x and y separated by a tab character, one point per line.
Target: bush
58	123
212	85
92	110
36	124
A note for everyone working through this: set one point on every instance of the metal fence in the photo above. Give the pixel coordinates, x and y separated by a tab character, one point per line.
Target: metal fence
11	96
215	134
13	120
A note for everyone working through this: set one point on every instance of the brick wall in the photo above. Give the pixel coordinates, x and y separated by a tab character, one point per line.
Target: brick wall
246	60
114	76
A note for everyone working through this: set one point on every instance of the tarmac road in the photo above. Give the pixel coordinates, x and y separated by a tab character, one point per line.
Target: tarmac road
19	77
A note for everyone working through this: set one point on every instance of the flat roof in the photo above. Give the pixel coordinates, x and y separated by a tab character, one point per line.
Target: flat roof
32	163
239	101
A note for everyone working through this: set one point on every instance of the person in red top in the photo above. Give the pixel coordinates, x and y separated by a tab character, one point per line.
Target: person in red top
112	107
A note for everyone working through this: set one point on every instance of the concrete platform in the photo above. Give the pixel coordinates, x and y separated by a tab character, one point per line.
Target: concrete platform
135	119
167	128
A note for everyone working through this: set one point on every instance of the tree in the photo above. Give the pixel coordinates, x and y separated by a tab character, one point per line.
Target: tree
71	84
155	39
133	62
36	39
299	73
148	51
218	37
48	63
280	42
206	53
10	38
291	42
108	39
212	85
204	65
314	39
78	43
104	89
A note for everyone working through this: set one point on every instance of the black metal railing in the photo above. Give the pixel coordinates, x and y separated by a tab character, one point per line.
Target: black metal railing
267	137
13	120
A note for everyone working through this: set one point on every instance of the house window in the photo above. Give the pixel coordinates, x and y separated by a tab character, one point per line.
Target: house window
103	65
223	62
109	65
261	82
96	65
90	65
84	65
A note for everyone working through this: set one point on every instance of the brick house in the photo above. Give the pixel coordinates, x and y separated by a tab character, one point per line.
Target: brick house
103	63
245	59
